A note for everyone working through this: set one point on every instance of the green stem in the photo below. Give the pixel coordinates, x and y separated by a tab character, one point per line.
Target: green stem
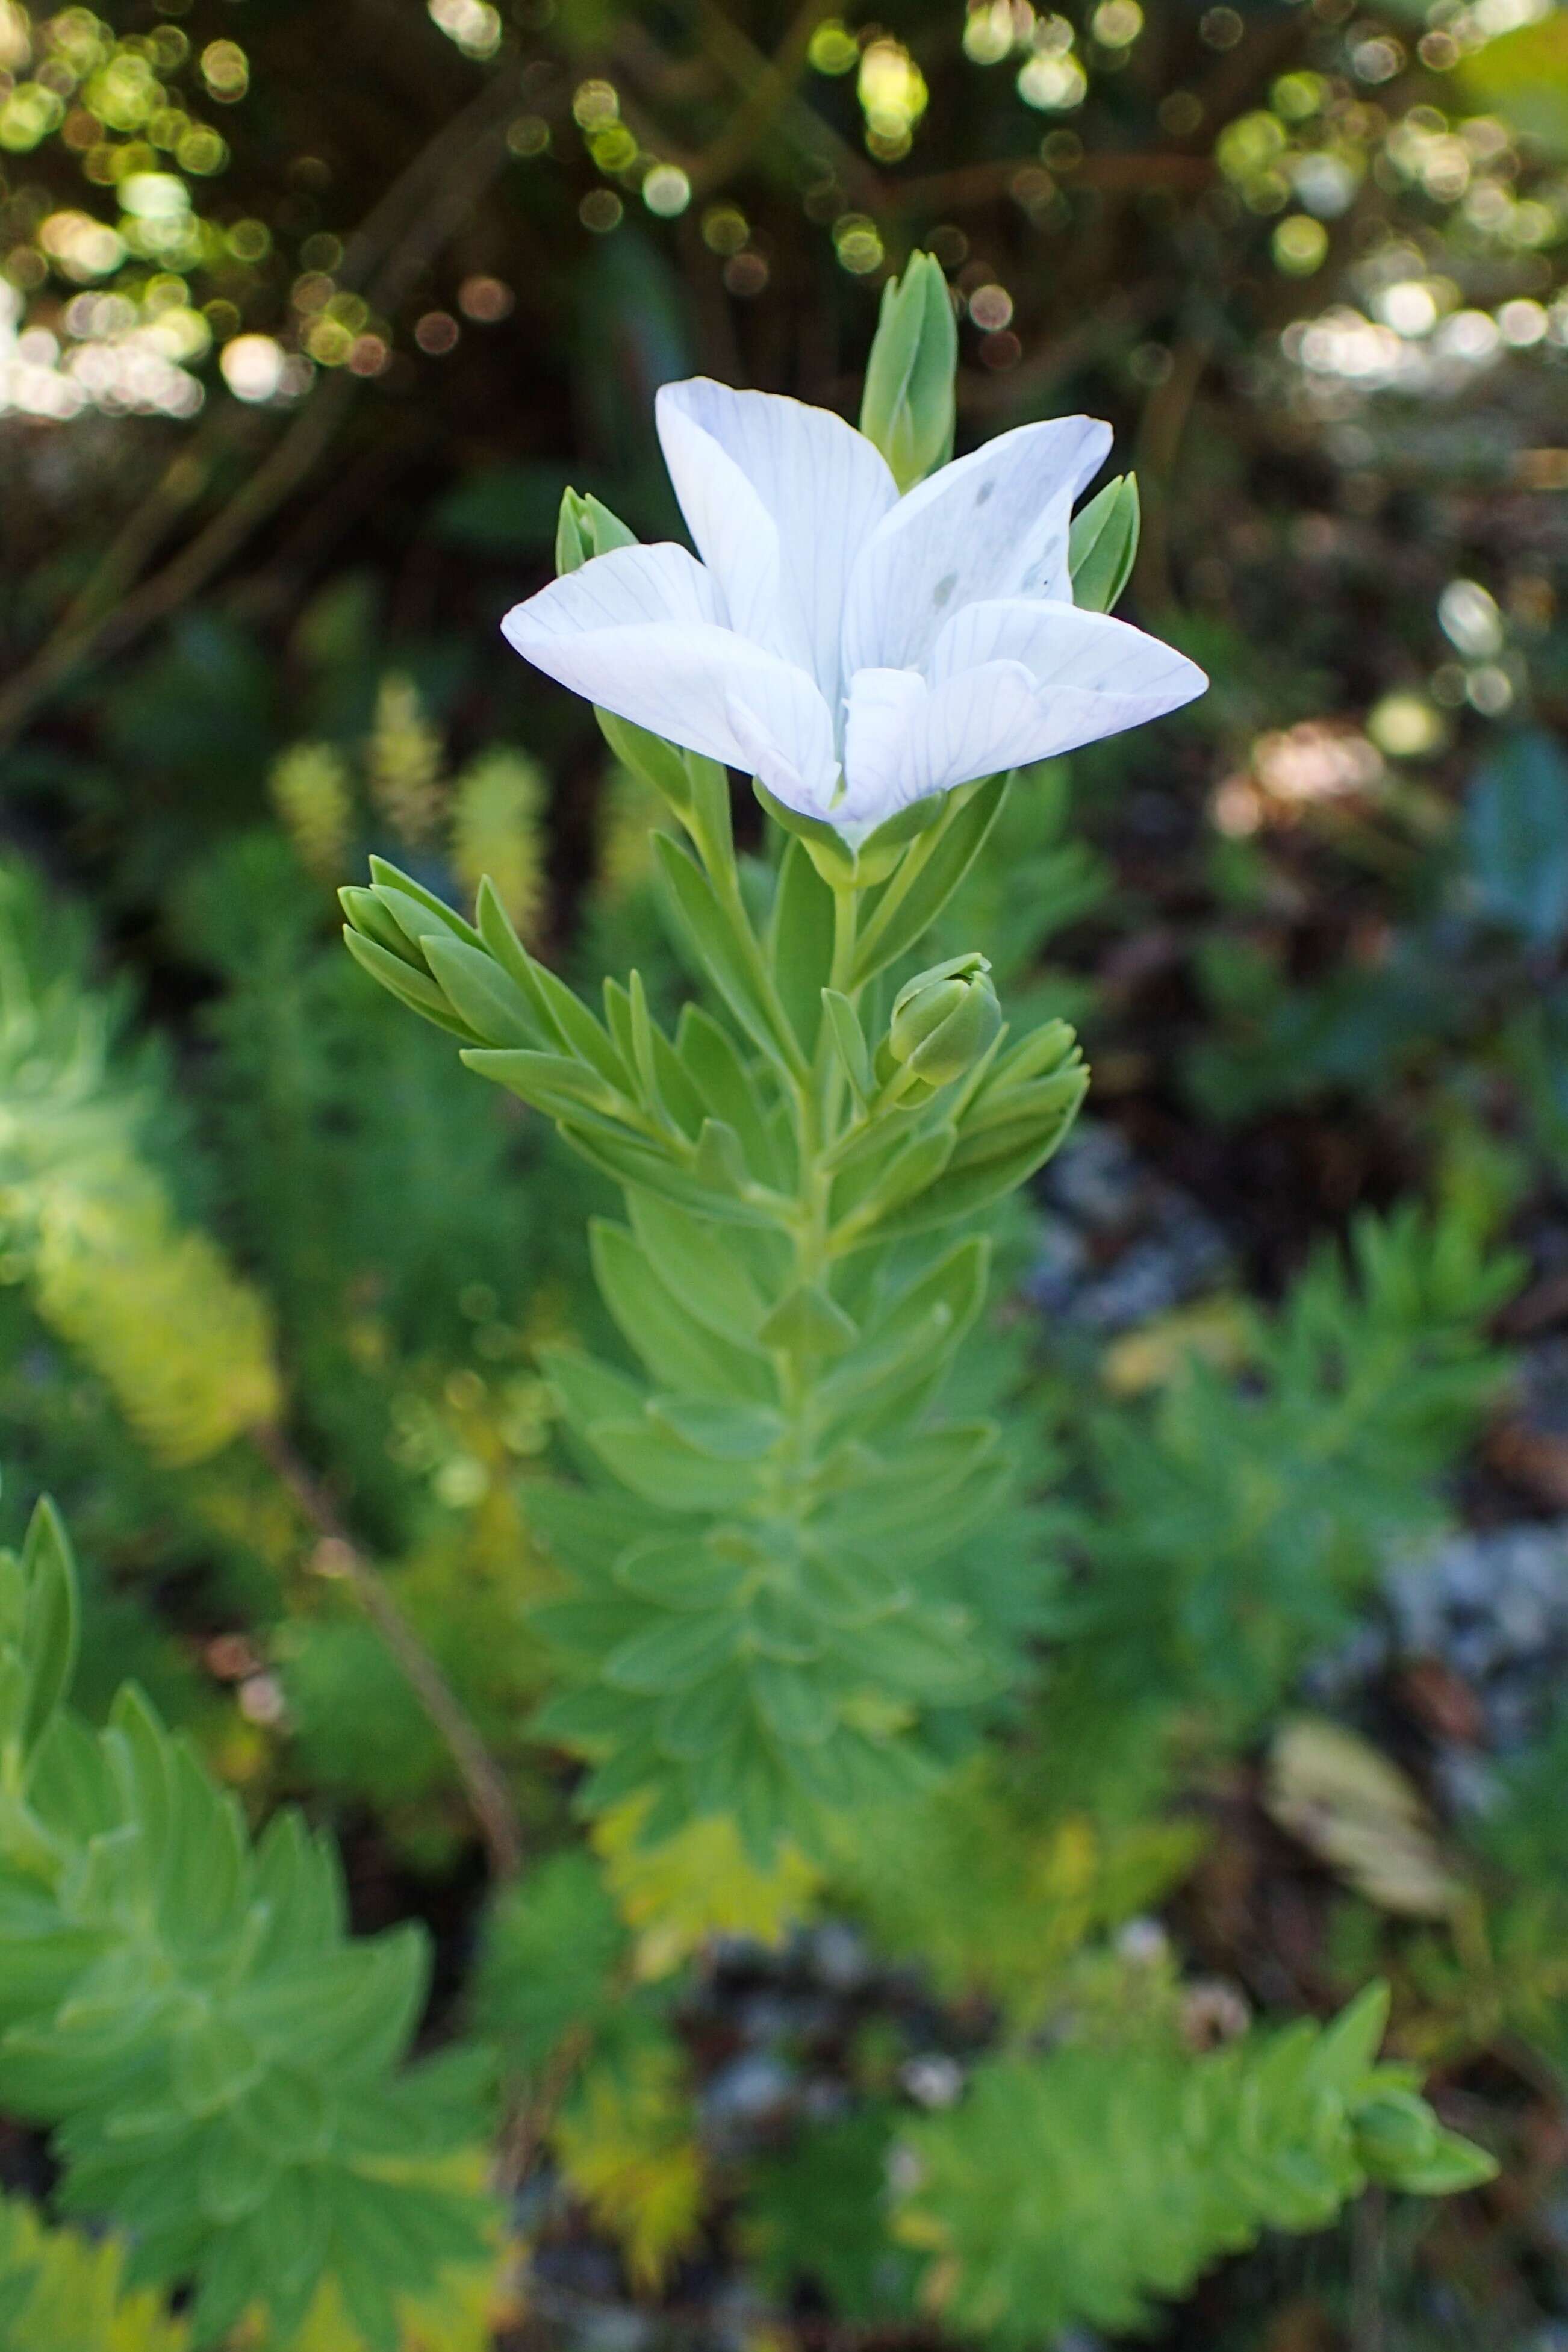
916	858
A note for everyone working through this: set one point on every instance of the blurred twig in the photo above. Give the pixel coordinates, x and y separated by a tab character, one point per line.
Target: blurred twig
393	245
1111	175
1165	422
772	86
482	1780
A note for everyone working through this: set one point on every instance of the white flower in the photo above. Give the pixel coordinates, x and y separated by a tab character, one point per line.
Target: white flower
852	649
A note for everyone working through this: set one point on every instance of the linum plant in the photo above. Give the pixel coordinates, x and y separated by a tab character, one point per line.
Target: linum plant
765	1622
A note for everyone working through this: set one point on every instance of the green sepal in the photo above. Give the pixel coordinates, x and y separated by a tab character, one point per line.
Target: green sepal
1103	545
881	851
832	856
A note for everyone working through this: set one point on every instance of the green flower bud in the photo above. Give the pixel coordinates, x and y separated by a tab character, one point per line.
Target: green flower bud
945	1019
587	528
908	407
1395	2130
1103	544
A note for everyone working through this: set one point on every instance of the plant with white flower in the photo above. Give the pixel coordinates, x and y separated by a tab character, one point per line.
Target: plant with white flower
776	1613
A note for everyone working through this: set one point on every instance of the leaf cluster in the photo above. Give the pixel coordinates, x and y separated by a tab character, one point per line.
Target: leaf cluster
221	2063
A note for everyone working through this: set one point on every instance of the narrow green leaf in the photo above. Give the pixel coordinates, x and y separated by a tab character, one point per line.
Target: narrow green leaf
710	1272
498	934
849	1043
672	1655
808	1323
729	1432
367	916
792	1701
385	876
800	942
1103	544
923	885
643	1458
658	763
679	1351
551	1083
52	1619
679	1572
725	1083
481	994
723	948
410	987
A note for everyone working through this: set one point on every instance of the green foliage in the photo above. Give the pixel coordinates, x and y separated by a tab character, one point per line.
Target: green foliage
1516	839
761	1624
550	1966
1239	1522
88	1220
996	1890
220	2062
1086	2183
67	2292
818	2215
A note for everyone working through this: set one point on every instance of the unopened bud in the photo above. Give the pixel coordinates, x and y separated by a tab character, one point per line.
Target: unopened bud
1394	2130
1103	544
945	1019
908	407
587	528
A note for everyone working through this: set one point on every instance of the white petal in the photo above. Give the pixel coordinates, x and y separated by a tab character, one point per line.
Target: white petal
994	524
780	498
684	678
906	738
663	583
1093	675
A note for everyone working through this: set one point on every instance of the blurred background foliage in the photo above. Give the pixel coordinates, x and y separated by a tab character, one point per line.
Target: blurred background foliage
309	311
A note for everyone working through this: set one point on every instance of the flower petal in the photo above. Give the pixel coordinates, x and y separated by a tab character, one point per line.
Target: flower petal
676	672
1093	675
906	738
662	583
994	524
780	498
